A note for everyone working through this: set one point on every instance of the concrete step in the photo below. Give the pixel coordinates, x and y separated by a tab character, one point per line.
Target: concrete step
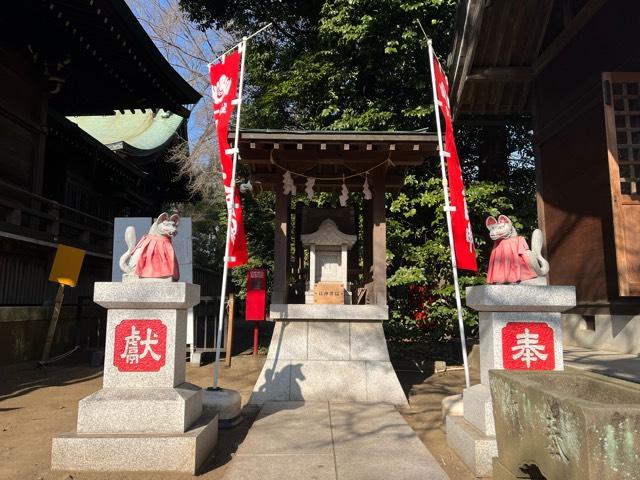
474	448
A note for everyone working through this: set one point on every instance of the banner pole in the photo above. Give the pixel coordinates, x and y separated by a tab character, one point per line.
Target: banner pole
244	39
242	46
447	209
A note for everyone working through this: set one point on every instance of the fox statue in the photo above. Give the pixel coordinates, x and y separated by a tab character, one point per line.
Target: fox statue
153	256
511	259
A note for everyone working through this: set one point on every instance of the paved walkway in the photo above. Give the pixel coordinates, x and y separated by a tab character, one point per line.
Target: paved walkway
332	441
613	364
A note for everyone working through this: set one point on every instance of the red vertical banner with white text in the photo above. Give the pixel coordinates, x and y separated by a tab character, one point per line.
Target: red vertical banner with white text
224	81
460	223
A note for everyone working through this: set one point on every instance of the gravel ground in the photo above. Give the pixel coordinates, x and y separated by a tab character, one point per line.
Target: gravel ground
37	404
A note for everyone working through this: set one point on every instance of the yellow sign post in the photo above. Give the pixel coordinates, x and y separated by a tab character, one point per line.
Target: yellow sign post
66	266
65	271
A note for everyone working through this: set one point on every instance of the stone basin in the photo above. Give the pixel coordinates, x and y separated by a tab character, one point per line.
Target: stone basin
565	425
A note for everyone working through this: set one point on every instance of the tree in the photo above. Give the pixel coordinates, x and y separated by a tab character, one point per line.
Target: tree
363	65
334	64
188	49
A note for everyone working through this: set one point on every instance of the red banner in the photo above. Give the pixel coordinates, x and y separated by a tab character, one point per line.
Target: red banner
224	81
461	226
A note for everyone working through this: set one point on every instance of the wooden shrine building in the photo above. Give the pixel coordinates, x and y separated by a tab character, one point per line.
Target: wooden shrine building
572	68
329	296
65	176
380	158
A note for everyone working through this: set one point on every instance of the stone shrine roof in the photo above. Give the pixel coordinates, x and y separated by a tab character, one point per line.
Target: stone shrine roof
328	234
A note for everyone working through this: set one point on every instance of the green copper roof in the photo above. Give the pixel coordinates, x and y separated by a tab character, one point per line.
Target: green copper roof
143	130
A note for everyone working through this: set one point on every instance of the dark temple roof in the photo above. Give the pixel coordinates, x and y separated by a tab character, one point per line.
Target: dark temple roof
98	54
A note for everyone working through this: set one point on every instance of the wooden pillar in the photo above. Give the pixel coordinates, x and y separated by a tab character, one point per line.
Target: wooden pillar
298	266
379	237
367	240
281	249
312	267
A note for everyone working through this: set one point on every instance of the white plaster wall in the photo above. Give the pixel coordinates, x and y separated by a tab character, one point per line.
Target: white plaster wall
615	333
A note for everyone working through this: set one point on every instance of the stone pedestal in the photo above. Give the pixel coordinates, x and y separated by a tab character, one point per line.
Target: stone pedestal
328	353
146	417
520	329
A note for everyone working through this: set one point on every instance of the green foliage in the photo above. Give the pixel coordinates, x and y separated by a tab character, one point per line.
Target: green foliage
363	65
334	64
418	243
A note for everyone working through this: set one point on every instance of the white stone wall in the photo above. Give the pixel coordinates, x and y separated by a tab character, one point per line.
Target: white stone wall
615	333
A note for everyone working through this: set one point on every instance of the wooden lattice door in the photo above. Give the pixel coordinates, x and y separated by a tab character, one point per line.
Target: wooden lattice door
622	118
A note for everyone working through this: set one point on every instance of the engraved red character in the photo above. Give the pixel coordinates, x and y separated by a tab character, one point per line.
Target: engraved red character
140	345
528	346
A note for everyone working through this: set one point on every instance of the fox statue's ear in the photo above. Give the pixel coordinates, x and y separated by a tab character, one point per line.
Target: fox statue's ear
490	221
175	218
163	217
503	219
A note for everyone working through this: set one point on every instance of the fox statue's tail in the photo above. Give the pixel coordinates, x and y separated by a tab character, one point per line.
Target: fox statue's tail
130	240
534	256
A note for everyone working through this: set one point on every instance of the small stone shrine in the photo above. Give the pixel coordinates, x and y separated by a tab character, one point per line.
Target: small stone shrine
328	248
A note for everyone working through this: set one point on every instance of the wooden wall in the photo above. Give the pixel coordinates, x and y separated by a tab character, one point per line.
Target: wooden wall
571	149
23	108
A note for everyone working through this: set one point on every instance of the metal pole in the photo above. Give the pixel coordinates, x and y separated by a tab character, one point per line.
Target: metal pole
230	330
256	336
244	39
230	205
447	209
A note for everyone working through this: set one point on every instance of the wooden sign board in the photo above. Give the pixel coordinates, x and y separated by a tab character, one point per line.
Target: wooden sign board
331	293
66	265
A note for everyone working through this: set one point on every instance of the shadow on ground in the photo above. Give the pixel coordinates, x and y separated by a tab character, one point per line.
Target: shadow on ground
23	378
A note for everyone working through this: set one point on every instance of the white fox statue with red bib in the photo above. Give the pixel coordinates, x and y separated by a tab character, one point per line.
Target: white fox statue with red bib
153	257
511	259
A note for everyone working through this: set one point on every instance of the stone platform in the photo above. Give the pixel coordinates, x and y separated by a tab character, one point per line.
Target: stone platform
505	310
328	353
330	441
146	417
118	452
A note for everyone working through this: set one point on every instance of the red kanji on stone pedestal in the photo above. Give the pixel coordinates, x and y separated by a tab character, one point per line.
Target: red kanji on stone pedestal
140	345
528	346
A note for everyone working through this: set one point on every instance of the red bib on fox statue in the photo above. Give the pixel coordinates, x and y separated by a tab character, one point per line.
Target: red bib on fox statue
511	259
153	256
157	258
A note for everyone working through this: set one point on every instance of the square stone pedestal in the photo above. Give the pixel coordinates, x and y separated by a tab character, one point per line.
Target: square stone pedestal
146	417
520	329
332	353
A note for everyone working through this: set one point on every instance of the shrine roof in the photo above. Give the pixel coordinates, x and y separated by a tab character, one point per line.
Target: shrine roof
96	55
137	133
328	155
328	234
500	47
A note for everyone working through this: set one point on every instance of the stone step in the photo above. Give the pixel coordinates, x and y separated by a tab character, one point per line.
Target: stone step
135	410
474	448
180	452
